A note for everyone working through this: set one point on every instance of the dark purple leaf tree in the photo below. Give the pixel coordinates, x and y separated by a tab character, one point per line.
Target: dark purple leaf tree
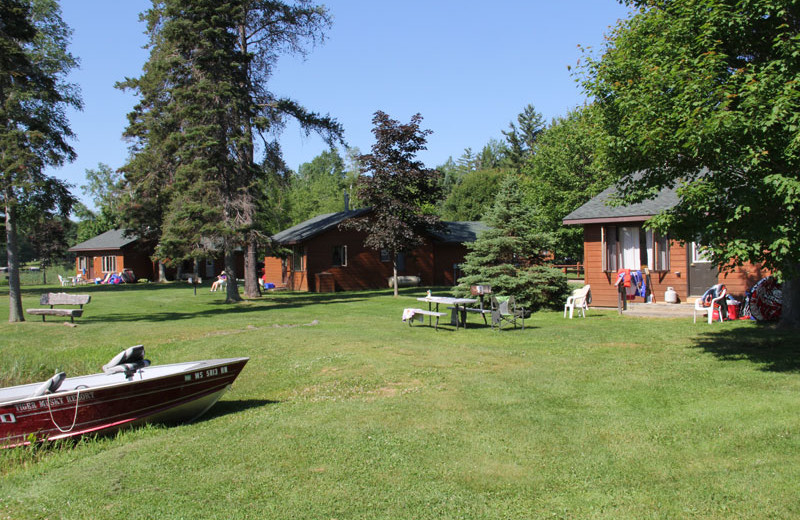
401	191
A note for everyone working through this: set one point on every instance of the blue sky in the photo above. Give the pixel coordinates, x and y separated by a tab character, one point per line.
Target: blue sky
468	67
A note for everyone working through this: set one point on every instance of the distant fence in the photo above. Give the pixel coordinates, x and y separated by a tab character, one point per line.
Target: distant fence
35	276
568	269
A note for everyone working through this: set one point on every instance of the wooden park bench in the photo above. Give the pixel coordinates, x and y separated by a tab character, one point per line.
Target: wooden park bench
53	299
410	314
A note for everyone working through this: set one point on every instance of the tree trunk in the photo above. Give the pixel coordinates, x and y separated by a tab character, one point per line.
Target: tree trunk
790	309
232	294
250	271
14	292
162	272
394	276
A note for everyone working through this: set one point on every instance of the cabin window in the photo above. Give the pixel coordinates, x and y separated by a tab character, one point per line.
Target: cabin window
298	258
385	256
339	256
83	263
109	264
699	254
631	247
657	251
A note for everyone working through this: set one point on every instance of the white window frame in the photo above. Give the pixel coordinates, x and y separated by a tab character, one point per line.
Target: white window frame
110	264
621	248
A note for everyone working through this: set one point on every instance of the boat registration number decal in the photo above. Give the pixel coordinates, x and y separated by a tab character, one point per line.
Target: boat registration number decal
202	374
7	418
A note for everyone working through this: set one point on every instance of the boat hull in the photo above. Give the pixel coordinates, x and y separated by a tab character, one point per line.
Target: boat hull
102	402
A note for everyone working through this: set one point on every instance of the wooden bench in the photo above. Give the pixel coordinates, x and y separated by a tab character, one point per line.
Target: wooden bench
409	314
53	299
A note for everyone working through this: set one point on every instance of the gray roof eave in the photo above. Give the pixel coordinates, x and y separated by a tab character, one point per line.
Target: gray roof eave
598	210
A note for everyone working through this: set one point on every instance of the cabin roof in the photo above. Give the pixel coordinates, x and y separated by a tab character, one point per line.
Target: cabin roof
314	226
598	210
113	239
454	232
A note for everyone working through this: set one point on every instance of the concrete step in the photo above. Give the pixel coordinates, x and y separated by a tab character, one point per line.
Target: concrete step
660	310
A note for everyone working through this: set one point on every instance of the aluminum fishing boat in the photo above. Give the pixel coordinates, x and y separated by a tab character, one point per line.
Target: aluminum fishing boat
127	393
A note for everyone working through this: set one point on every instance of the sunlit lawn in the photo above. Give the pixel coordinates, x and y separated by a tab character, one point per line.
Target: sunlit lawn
346	412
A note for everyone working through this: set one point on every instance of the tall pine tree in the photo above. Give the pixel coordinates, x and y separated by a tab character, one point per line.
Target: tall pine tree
509	255
204	101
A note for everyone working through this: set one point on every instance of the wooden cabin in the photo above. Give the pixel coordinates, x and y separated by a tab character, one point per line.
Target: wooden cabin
112	252
325	258
614	238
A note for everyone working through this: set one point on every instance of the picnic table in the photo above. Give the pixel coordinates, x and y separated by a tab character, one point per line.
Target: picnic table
459	306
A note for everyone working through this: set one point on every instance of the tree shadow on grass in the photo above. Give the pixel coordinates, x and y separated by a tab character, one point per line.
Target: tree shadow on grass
216	308
776	350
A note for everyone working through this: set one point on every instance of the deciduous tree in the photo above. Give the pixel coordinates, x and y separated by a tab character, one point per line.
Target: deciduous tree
34	130
704	95
474	195
318	187
564	171
398	188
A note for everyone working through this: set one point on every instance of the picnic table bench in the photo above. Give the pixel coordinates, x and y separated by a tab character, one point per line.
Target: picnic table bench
409	314
483	312
53	299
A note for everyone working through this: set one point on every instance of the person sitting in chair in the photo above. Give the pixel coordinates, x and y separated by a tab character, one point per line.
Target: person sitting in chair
219	281
715	292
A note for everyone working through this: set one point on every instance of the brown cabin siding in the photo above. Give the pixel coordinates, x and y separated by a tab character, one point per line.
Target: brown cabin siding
139	263
432	262
604	292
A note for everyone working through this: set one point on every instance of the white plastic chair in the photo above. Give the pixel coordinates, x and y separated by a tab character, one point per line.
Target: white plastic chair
64	281
579	300
699	308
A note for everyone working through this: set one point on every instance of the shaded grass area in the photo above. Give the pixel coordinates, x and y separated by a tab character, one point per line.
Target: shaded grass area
345	412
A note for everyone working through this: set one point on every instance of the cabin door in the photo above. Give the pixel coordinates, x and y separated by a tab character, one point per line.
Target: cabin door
702	273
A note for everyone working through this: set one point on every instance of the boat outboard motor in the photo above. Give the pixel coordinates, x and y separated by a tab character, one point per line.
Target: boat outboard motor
128	361
51	385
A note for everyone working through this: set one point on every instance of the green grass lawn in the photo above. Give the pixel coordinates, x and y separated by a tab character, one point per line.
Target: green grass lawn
346	412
